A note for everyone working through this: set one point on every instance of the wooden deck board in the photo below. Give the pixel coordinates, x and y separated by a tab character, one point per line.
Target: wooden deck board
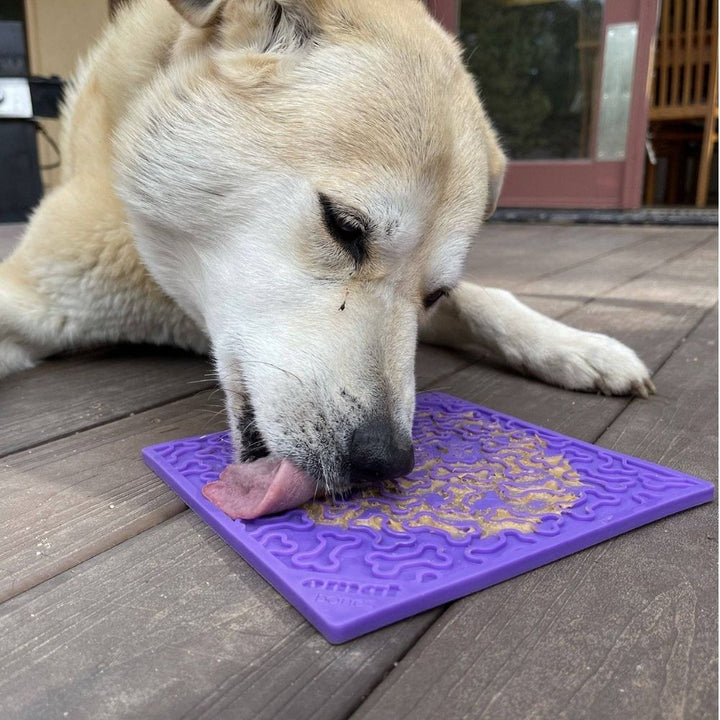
174	624
560	293
625	629
69	394
656	309
69	500
514	256
652	314
678	427
72	498
499	254
135	631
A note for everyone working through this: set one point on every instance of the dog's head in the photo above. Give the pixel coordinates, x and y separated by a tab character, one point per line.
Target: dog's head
304	177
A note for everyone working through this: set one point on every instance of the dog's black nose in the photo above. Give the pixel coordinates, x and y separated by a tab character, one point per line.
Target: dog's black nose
377	454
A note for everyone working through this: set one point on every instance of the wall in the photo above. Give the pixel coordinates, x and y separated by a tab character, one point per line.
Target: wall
59	32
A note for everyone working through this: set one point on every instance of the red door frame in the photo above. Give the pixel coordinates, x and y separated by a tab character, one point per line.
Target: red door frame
588	183
447	12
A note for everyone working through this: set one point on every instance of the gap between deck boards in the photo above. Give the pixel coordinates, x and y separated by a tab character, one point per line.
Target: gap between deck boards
652	246
314	698
414	690
457	373
612	408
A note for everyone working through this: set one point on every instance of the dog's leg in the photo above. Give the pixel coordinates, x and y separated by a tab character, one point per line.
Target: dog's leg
76	281
481	319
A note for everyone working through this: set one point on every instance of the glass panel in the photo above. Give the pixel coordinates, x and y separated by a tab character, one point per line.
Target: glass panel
618	68
537	64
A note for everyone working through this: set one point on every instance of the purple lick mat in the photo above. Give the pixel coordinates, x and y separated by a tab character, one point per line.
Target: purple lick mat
490	497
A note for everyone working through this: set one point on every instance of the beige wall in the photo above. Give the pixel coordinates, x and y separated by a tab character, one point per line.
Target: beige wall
59	33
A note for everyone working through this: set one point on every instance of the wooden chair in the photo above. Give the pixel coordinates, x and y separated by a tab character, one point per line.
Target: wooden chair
685	86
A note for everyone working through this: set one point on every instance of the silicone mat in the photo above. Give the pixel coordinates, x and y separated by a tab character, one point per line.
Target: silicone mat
490	497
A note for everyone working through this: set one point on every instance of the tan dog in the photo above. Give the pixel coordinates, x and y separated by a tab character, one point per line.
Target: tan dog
291	185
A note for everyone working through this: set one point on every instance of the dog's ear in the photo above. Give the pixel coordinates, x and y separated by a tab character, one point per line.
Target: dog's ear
294	22
200	13
289	17
497	163
272	26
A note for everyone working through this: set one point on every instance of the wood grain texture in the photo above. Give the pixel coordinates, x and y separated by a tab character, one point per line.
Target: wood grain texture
500	254
625	629
65	395
560	293
498	257
652	313
69	500
433	365
576	265
678	427
173	624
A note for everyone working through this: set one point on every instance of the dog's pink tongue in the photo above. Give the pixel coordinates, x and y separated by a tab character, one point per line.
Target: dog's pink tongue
263	487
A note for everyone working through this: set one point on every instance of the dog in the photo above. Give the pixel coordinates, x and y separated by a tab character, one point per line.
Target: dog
291	186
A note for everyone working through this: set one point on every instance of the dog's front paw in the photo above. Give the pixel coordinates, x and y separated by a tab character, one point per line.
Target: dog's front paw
592	362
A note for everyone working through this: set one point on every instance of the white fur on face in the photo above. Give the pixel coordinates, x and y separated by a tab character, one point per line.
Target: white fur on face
223	198
314	349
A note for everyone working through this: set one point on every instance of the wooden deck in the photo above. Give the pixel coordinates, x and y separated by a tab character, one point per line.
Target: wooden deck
117	602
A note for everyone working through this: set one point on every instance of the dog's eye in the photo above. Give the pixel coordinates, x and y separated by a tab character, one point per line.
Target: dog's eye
346	228
433	297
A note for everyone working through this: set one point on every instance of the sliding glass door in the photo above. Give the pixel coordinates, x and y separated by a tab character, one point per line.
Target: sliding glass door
565	83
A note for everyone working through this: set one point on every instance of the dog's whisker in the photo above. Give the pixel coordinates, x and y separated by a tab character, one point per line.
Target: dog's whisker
209	417
276	367
214	393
